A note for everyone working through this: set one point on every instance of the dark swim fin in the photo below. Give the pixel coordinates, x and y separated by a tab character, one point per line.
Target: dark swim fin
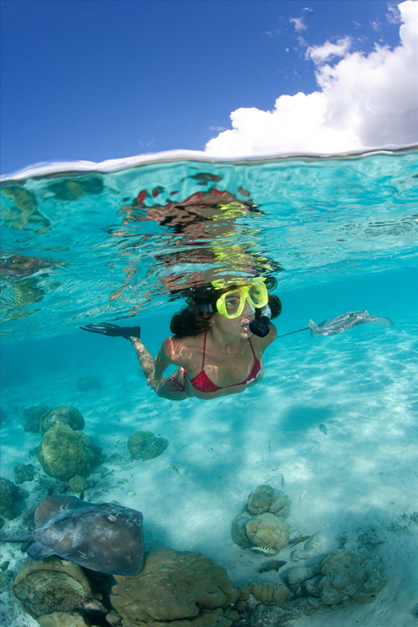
113	330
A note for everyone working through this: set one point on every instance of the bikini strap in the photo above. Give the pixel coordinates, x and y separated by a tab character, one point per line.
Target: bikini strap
204	350
252	348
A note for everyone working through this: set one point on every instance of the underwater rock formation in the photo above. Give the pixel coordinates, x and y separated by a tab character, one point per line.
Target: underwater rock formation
31	417
270	615
65	453
54	585
145	445
351	575
266	591
78	484
261	526
267	531
24	472
63	415
9	495
182	588
303	581
267	499
63	619
88	382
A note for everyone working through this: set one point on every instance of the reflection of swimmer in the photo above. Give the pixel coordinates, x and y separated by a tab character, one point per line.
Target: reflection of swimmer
23	214
217	344
202	215
206	231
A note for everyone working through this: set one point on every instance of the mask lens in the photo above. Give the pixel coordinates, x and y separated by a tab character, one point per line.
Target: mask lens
232	302
258	295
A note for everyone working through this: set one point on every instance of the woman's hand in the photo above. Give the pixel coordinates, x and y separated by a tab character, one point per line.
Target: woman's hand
153	382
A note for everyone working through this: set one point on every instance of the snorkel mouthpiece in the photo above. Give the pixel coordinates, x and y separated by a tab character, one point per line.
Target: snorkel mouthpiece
260	325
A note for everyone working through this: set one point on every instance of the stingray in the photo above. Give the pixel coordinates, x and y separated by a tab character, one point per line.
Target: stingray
342	323
107	538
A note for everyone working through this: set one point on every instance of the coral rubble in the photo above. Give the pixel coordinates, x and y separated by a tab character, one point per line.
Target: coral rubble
31	417
24	472
351	574
54	585
64	415
78	483
145	445
63	619
65	453
182	588
9	494
261	526
267	499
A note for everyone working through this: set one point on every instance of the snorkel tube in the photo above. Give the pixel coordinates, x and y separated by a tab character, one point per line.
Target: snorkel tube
260	326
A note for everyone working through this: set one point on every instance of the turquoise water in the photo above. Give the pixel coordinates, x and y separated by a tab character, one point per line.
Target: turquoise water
339	234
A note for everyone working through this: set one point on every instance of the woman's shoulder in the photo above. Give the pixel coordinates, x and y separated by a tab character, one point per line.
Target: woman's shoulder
180	350
261	343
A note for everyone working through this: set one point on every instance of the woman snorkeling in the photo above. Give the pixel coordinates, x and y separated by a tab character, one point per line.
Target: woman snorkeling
217	344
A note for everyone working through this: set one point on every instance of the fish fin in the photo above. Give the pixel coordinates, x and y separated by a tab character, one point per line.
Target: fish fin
53	506
36	550
314	329
382	321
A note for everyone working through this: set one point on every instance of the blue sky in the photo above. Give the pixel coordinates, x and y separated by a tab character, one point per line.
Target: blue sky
111	79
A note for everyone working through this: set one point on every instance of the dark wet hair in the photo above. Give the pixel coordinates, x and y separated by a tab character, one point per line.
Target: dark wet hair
195	318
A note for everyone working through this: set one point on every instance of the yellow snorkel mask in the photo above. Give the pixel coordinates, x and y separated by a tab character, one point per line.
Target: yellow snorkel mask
231	304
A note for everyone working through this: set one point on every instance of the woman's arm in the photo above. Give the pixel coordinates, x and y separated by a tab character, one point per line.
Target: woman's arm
263	342
171	352
163	359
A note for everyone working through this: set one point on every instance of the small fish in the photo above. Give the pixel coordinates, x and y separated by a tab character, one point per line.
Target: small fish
323	429
282	481
180	430
175	469
273	565
302	495
269	447
267	550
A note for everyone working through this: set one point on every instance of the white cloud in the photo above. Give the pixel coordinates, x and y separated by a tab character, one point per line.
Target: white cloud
363	102
320	54
393	15
298	23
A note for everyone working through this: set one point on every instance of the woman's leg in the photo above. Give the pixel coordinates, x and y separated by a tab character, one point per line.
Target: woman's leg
172	387
146	360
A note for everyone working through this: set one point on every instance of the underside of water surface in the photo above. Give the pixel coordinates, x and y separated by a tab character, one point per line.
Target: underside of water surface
78	246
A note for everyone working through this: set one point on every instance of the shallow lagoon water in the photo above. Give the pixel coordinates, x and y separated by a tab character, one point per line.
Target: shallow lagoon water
339	235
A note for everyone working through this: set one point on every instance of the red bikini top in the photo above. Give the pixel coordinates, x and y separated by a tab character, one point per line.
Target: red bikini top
202	383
